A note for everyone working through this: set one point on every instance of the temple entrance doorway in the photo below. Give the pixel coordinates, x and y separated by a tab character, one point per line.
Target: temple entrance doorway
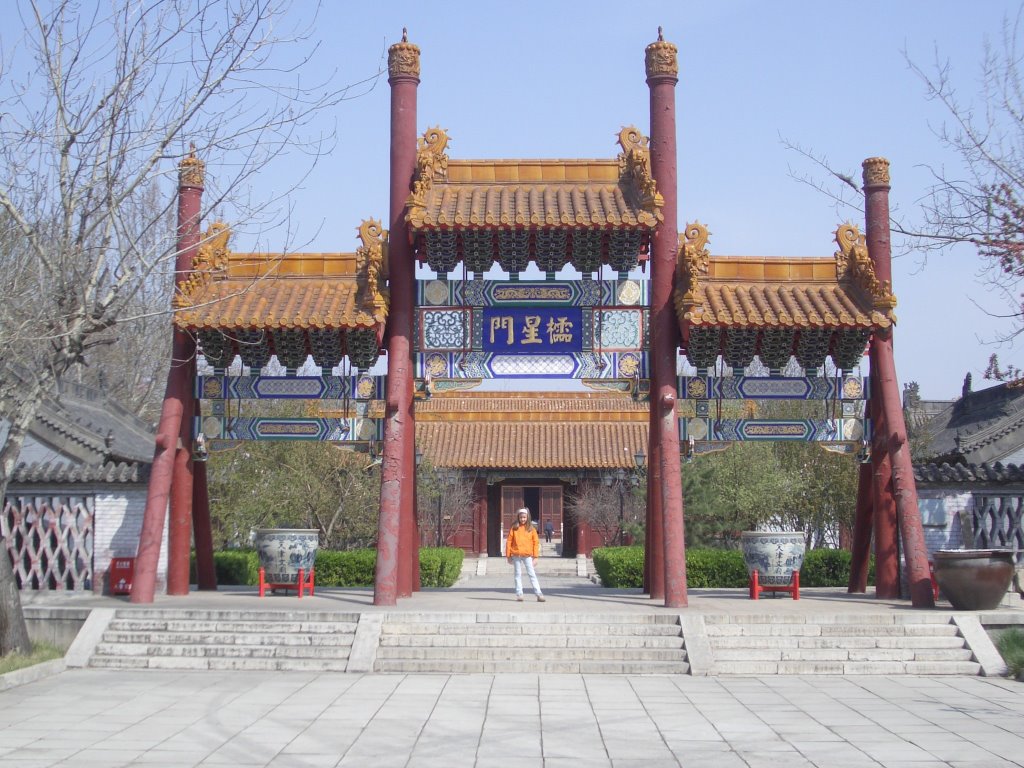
543	501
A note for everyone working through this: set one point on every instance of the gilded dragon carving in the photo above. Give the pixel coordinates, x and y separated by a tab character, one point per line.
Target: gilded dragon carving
635	163
431	166
694	259
369	264
854	262
211	256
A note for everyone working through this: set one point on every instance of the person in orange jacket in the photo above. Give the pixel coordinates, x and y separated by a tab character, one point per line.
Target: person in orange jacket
522	547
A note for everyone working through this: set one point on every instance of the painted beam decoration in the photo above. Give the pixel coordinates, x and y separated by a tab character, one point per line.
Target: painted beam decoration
772	388
257	387
746	430
360	430
579	329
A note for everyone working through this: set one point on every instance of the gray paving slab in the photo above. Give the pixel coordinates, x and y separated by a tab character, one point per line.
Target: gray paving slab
297	719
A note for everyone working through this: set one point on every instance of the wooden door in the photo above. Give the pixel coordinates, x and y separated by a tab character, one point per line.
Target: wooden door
511	500
551	508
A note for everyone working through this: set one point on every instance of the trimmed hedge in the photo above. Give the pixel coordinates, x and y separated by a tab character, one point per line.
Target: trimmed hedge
439	567
623	567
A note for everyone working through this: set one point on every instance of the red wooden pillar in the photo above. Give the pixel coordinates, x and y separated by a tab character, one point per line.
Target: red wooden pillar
654	547
396	528
202	532
883	370
172	453
662	69
887	572
861	551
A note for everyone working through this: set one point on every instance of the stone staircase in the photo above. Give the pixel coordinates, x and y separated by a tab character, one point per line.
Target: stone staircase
877	644
198	639
537	642
545	566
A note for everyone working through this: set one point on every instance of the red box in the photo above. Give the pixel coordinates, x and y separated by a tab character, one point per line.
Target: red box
121	571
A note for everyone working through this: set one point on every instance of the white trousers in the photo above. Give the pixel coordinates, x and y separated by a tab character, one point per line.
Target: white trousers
517	567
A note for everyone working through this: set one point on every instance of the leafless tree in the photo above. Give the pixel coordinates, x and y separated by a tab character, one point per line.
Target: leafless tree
98	104
445	500
981	202
610	509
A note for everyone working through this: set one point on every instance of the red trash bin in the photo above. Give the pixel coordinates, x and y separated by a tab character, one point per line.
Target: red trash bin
121	571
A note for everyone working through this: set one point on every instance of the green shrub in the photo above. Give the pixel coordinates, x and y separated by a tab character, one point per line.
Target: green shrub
722	568
620	567
1011	646
237	566
440	566
350	568
715	569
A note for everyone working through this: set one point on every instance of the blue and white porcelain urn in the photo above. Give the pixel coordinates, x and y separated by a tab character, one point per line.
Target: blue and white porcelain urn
773	554
283	551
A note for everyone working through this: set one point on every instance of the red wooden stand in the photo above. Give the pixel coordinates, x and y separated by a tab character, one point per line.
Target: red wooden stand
793	588
300	584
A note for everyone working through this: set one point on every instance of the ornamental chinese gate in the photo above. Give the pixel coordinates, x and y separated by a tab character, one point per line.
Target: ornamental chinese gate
595	215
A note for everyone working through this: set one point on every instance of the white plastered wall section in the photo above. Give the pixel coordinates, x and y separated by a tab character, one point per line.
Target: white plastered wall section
941	511
118	526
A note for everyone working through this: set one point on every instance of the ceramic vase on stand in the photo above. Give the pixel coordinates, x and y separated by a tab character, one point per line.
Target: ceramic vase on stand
773	554
283	551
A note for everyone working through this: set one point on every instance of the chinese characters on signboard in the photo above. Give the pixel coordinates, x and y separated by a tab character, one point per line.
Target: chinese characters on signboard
532	330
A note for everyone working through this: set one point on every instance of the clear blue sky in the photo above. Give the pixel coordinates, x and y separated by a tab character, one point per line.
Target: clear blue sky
558	79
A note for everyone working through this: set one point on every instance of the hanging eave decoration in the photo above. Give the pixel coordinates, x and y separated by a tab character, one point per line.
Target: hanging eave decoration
292	305
777	308
588	212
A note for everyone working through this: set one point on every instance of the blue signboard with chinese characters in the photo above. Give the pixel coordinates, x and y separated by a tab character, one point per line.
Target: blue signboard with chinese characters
532	330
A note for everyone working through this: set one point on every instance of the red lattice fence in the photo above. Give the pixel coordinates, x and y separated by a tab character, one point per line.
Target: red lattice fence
50	540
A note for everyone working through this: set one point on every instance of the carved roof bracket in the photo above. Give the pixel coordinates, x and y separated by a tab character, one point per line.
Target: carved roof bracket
211	257
635	165
853	262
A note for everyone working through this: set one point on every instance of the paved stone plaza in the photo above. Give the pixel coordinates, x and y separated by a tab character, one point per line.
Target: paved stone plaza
101	718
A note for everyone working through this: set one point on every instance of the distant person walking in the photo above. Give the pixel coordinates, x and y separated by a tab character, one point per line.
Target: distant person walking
522	547
548	530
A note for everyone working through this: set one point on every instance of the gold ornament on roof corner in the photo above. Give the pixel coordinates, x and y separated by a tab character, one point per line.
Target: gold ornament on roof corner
211	258
369	262
191	170
876	172
854	261
661	58
694	260
404	58
635	163
431	165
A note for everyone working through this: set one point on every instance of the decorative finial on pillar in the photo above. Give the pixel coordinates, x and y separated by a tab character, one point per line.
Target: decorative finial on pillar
661	59
191	170
876	172
404	58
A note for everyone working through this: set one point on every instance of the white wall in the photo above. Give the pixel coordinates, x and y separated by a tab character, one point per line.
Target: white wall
118	526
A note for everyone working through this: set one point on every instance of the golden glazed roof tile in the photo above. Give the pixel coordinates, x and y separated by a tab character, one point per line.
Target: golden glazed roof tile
533	193
765	292
592	430
294	290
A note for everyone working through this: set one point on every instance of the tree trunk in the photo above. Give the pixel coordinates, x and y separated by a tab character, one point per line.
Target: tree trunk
13	632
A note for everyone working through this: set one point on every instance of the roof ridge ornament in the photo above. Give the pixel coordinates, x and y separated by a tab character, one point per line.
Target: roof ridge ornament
369	263
431	166
854	262
693	261
635	164
211	256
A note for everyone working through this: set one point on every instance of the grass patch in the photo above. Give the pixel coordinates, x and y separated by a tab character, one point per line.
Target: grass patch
1011	646
40	652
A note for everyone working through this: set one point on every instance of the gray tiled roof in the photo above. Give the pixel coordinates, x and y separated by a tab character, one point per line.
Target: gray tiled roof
60	473
968	473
